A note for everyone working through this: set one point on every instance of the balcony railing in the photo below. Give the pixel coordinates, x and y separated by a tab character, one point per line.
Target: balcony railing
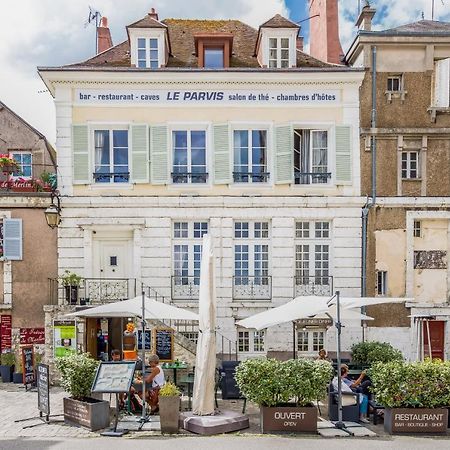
185	287
92	291
254	177
116	177
252	287
315	285
189	177
311	177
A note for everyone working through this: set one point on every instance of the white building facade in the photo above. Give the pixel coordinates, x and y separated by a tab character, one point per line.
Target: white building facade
260	150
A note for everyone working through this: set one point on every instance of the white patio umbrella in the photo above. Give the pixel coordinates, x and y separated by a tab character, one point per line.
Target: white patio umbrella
205	363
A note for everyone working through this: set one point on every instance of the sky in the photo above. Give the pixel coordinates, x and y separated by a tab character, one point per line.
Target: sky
54	32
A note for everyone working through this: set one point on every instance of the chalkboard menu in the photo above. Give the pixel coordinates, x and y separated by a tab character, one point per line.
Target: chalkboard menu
43	388
148	339
28	364
163	343
114	377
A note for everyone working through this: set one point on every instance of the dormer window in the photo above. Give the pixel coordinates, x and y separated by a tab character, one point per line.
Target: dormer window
213	50
278	53
147	53
213	58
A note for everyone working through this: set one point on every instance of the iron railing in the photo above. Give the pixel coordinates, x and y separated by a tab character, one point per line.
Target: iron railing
258	287
185	287
256	177
311	177
117	177
189	177
313	285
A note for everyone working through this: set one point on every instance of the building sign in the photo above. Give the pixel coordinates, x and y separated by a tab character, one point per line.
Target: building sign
289	419
32	336
314	322
64	337
5	333
416	420
208	97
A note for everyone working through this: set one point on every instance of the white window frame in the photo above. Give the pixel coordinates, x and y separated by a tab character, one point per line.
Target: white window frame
312	348
278	49
253	340
406	171
312	233
148	33
249	130
417	228
21	153
392	79
110	128
382	283
148	55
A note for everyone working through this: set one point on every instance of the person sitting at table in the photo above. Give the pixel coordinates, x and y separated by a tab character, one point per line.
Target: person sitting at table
360	385
153	383
115	355
346	386
323	355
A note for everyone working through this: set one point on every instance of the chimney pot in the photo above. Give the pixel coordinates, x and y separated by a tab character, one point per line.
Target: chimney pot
104	22
104	40
300	43
364	21
153	14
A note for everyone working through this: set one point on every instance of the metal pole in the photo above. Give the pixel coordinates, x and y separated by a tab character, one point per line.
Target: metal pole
339	424
143	418
293	339
429	340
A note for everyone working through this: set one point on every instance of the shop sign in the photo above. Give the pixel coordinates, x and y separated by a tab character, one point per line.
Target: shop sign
314	322
32	336
416	420
64	337
289	419
227	97
5	333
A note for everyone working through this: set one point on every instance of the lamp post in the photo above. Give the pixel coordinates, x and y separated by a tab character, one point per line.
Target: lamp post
53	212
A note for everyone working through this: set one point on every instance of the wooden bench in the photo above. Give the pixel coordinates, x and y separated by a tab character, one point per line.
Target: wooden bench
375	408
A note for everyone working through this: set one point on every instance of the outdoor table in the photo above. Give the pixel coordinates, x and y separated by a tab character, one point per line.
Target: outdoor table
174	367
189	382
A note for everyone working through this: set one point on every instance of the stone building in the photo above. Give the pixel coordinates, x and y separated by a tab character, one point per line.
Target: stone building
405	143
27	245
195	126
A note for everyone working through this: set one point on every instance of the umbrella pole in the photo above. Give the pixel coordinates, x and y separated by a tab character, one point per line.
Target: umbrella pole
144	418
293	339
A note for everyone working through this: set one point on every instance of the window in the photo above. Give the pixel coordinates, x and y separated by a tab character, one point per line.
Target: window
189	156
311	157
410	165
148	53
251	260
251	341
187	252
395	83
310	341
278	53
213	58
24	159
250	156
191	335
312	253
381	282
111	156
417	231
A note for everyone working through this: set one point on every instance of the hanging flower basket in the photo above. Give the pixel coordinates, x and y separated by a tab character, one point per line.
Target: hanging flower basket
8	165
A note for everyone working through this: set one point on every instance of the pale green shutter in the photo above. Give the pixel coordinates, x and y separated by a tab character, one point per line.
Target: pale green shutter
343	155
222	172
80	153
284	154
159	155
12	239
140	165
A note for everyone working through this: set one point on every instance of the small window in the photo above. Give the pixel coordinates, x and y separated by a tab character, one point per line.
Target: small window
147	53
417	232
394	83
244	341
258	341
24	159
322	229
410	165
381	282
309	341
213	58
278	53
302	230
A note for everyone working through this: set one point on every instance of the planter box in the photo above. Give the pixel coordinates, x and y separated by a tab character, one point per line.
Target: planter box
169	414
415	420
18	378
289	419
7	373
92	414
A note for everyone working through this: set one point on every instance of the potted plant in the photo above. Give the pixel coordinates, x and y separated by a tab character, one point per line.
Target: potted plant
71	281
7	366
285	391
416	396
365	354
77	375
169	408
8	165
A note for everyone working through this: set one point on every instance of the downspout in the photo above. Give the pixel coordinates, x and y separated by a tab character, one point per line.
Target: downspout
370	203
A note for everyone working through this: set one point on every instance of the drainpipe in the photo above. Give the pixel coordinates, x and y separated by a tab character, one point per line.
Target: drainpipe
369	202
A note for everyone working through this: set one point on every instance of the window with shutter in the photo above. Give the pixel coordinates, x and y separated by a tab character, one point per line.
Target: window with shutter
159	154
343	155
139	154
12	239
442	83
222	172
284	161
80	153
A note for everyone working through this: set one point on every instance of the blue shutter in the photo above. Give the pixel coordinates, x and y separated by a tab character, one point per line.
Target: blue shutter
12	239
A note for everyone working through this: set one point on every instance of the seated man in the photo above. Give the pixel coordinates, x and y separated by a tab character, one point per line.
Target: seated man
346	386
153	383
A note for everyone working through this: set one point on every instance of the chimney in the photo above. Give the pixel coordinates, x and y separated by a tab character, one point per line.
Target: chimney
153	14
324	31
364	21
300	43
104	40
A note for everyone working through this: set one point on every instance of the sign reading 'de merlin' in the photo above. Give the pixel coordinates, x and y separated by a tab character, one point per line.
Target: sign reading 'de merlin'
214	97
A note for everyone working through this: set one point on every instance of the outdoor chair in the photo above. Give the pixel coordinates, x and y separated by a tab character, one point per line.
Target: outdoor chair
349	413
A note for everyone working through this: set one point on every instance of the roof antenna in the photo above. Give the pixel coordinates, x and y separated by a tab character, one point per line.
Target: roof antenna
94	17
423	15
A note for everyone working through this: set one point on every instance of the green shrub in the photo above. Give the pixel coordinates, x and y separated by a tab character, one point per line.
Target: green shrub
169	390
269	382
411	385
77	374
368	353
8	359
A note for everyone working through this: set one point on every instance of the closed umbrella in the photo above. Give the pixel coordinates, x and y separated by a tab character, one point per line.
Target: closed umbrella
205	363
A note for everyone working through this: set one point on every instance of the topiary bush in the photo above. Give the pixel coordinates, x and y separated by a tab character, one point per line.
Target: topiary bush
368	353
269	382
77	374
398	384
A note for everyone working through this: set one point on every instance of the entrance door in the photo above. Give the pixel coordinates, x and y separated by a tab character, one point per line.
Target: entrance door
113	259
437	338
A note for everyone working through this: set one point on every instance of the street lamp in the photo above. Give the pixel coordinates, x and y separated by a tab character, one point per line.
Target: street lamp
53	212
